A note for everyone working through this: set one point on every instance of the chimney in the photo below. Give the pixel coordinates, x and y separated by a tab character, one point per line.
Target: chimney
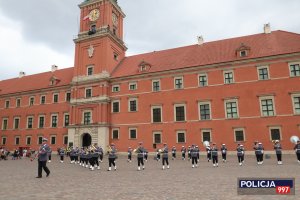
267	28
200	40
54	68
21	74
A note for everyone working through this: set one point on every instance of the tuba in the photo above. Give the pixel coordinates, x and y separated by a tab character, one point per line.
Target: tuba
205	143
294	139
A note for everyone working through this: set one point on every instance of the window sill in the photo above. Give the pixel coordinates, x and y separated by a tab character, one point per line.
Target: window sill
237	118
267	116
180	121
132	111
157	122
204	120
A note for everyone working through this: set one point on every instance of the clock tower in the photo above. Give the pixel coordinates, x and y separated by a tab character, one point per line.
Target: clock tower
99	48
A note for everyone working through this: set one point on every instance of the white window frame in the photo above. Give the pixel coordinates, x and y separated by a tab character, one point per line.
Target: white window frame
5	104
275	127
262	67
56	120
133	99
228	71
41	99
91	119
65	119
14	127
87	70
116	86
32	97
161	113
53	136
129	135
44	121
153	137
112	107
179	105
54	96
30	140
2	127
2	140
16	140
17	102
260	104
28	121
203	74
237	108
181	131
159	83
132	83
293	102
246	53
199	110
89	88
289	65
112	133
178	77
210	134
234	134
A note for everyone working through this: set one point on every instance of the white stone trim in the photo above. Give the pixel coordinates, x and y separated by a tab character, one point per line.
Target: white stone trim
237	107
159	133
203	74
112	133
16	140
39	121
133	99
206	130
234	134
41	99
14	123
180	131
51	120
293	102
260	104
27	122
85	90
199	110
2	127
129	135
161	113
275	127
228	71
26	142
132	83
180	105
178	78
152	87
112	107
53	97
262	67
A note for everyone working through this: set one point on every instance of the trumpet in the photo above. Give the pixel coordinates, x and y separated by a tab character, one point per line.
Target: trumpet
109	149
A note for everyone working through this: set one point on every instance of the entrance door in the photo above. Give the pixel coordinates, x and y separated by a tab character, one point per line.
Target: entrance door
86	140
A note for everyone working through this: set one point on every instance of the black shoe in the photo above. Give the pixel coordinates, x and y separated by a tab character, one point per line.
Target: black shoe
48	174
38	177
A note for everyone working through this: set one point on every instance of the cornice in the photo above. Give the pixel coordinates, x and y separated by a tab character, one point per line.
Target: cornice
98	99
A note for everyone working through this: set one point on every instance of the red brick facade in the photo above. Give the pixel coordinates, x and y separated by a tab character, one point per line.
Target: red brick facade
230	91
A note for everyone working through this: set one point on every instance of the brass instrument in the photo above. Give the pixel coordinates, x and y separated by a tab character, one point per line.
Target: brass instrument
109	149
294	139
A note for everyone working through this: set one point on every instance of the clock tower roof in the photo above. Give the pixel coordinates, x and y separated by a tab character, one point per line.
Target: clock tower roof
91	2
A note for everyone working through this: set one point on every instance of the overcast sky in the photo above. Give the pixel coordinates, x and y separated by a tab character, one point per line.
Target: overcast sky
35	34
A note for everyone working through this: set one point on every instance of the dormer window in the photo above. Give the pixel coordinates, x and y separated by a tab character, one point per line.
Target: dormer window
143	66
54	80
243	51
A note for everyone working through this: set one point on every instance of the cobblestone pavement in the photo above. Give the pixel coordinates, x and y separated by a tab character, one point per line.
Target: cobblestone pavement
69	181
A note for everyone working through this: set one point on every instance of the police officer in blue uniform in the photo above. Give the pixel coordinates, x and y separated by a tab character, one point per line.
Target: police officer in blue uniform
42	158
278	150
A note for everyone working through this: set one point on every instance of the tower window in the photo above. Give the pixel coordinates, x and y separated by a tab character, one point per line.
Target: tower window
116	56
92	30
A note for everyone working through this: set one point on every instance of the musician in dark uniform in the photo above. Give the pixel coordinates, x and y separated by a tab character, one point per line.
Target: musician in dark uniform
297	150
42	158
259	151
183	152
208	150
189	152
198	152
194	155
173	152
158	155
278	150
61	154
112	157
146	155
214	155
240	153
129	154
165	157
100	154
140	156
224	152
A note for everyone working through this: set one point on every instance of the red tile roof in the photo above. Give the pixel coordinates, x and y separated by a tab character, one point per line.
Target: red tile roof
36	81
261	45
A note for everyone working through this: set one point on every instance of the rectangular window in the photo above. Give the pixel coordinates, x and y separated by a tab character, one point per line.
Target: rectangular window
31	101
54	121
29	122
28	140
90	71
17	140
18	103
231	109
206	136
204	110
178	82
228	77
296	104
180	136
115	106
132	86
88	93
55	98
53	140
275	134
16	123
157	138
43	99
132	133
116	88
3	141
41	121
263	73
67	120
68	96
86	118
156	114
4	124
132	105
267	107
155	85
295	70
40	140
202	80
65	140
115	134
239	135
179	113
7	104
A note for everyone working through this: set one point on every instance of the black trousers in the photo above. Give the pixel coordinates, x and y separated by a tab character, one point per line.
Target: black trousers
41	166
49	157
257	157
72	158
111	161
129	157
146	156
165	160
209	156
240	158
173	155
101	157
298	156
224	156
91	161
96	161
194	160
158	156
140	161
62	158
183	155
189	155
215	159
260	157
76	158
279	156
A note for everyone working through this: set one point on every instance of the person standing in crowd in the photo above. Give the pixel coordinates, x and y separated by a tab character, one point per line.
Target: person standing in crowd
297	150
173	152
165	157
189	153
112	156
240	154
208	151
183	152
278	150
100	154
259	151
140	156
49	154
42	158
76	154
214	154
194	153
129	154
224	152
62	154
95	156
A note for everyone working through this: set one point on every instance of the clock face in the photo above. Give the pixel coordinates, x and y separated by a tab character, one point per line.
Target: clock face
114	19
94	15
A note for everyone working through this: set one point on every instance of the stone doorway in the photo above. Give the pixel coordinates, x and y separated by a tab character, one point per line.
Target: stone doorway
86	140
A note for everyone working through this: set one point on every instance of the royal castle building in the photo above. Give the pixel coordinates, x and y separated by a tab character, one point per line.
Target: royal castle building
229	91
